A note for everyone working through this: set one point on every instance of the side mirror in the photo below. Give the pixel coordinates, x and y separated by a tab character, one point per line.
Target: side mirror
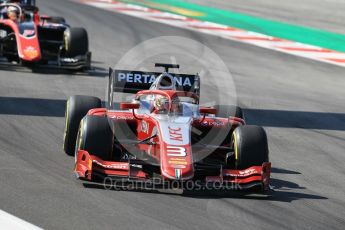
207	110
126	106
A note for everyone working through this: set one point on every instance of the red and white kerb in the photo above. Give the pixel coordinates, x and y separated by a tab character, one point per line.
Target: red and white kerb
257	39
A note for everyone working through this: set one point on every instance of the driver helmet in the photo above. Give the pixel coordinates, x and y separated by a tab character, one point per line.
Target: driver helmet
161	104
13	13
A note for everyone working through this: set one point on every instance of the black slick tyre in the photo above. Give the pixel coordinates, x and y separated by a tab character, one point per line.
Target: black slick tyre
76	108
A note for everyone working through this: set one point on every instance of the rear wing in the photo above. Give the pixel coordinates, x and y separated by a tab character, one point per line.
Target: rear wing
131	81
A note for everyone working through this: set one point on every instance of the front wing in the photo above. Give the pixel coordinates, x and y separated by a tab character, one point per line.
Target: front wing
76	63
88	167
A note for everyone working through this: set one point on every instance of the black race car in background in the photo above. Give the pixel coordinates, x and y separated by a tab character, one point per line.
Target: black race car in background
34	40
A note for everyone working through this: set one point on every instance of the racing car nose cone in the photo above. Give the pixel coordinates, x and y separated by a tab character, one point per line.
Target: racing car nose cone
177	162
30	54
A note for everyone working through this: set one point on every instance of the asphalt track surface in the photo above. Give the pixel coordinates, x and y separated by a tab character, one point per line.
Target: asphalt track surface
299	102
321	14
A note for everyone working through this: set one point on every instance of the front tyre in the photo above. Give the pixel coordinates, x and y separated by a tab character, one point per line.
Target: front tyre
96	136
76	108
250	146
76	42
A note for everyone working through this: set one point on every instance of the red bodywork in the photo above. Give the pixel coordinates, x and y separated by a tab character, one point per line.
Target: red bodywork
27	42
175	160
238	179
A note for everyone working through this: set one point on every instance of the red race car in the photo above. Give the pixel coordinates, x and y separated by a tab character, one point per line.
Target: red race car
32	40
163	136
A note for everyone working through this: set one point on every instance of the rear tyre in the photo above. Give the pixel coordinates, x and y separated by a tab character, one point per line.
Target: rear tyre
76	108
250	146
96	136
76	42
57	19
229	110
